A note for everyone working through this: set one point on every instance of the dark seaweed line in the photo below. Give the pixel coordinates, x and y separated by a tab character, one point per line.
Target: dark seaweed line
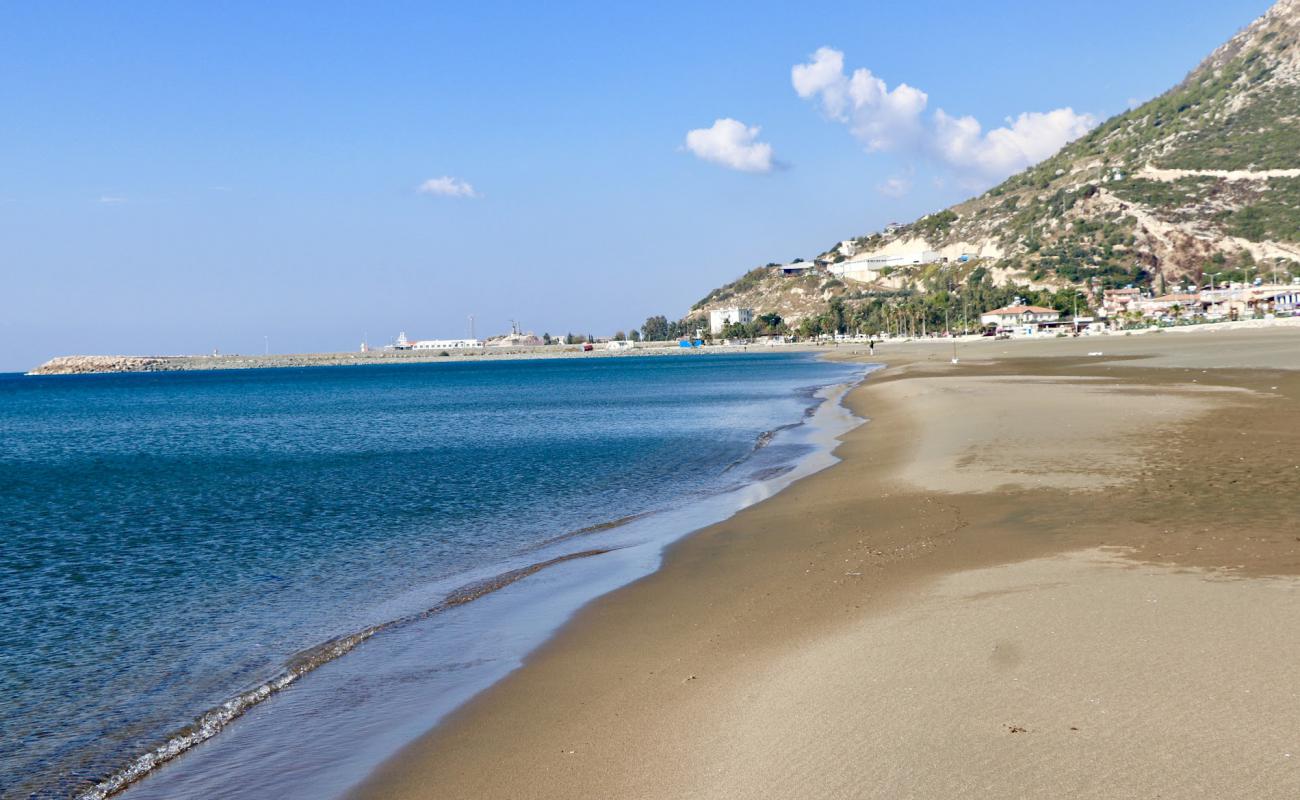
213	721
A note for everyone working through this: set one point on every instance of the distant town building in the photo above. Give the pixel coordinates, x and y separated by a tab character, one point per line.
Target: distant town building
1029	317
1182	302
722	317
867	269
515	339
446	344
1117	301
797	268
620	344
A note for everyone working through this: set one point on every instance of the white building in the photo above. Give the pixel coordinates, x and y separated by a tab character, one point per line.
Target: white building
723	317
446	344
515	339
867	268
1026	317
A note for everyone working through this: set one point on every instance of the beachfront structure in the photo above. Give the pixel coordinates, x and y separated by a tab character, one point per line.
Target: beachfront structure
1174	304
514	339
722	317
1025	318
1278	298
446	344
1238	300
867	269
1118	301
619	344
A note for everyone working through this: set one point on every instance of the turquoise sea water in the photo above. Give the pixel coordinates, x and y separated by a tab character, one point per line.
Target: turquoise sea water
173	542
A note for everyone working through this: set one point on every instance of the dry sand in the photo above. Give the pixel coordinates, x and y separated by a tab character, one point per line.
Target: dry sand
1035	573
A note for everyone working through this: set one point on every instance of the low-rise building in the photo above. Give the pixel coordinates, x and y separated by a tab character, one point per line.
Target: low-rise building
867	269
1027	318
514	339
722	317
1176	304
1115	302
446	344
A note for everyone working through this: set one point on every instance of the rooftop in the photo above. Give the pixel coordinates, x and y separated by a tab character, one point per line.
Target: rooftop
1023	310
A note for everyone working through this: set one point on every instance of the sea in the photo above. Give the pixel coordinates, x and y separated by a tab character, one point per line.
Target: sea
256	583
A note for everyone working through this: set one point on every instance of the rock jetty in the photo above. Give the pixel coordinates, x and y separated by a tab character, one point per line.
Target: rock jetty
86	365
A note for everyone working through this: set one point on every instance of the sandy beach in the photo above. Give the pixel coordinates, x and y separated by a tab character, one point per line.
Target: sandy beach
1037	572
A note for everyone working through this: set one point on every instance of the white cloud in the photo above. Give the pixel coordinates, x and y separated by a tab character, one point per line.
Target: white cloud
894	187
885	119
882	118
732	144
1027	139
447	186
111	199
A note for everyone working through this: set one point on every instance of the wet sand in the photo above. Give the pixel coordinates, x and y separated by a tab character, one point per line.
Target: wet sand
1034	573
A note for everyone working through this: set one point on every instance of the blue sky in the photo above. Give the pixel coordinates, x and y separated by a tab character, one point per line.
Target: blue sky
177	177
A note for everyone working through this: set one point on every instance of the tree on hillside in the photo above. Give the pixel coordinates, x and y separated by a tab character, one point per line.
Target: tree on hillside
837	316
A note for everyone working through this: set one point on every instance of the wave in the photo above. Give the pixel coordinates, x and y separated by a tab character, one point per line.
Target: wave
211	722
599	527
214	720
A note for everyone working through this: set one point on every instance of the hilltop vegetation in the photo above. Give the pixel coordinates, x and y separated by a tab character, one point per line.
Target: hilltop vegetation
1158	190
1204	178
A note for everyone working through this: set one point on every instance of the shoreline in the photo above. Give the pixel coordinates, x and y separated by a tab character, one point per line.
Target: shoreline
619	539
122	364
665	687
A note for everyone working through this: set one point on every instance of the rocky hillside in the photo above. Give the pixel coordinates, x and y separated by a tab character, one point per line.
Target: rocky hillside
1204	178
766	289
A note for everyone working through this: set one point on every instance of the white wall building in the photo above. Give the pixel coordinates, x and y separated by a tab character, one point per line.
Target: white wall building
515	339
723	317
446	344
867	268
1027	317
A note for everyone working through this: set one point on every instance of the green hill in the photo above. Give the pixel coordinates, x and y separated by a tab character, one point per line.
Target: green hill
1203	179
